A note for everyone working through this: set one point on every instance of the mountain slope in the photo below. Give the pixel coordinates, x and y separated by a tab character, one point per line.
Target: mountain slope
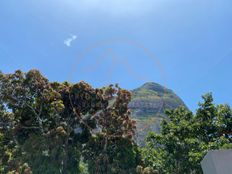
148	106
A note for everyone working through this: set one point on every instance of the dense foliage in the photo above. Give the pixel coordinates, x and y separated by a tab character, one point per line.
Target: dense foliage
50	127
186	138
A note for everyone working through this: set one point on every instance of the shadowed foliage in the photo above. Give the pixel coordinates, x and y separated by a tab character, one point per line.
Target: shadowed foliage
48	127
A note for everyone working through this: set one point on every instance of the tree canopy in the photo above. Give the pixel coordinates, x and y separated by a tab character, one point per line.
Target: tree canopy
47	127
50	127
186	138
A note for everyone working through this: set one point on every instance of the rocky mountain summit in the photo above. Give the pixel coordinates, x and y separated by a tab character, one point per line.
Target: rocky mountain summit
148	106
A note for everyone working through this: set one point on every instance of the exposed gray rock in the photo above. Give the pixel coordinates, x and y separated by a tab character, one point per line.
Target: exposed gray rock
148	106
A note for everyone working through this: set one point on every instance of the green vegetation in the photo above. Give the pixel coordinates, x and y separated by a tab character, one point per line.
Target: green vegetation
186	138
148	106
152	99
61	128
50	127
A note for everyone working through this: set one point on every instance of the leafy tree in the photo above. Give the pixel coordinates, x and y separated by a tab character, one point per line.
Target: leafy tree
53	124
51	127
186	138
112	149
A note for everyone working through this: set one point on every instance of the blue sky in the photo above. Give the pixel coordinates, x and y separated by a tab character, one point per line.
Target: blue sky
185	45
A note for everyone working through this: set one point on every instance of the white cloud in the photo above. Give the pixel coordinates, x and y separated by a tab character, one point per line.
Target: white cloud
69	40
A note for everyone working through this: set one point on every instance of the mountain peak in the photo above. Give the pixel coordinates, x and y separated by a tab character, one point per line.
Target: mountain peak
154	87
152	99
148	106
151	89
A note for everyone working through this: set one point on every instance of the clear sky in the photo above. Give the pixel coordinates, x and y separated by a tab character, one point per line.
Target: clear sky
185	45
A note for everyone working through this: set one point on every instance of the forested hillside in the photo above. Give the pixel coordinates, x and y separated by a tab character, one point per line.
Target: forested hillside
50	127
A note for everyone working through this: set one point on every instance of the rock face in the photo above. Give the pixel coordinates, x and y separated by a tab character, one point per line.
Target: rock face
148	106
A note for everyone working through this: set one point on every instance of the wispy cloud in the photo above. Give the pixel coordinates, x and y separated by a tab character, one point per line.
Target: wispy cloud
69	40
